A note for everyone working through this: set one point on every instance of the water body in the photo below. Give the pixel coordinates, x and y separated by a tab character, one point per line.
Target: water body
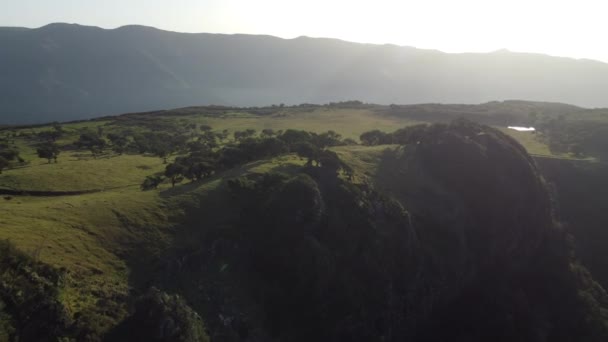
522	129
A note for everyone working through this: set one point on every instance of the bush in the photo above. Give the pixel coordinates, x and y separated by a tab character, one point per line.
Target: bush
151	182
161	317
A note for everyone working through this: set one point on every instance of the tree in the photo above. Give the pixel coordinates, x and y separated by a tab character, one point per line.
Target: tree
330	161
205	128
175	172
308	151
49	152
92	142
199	169
159	144
152	182
209	139
268	132
159	317
163	151
119	142
49	135
240	135
270	147
375	137
410	134
292	137
329	138
231	157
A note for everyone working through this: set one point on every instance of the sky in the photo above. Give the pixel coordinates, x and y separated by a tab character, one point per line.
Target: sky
574	28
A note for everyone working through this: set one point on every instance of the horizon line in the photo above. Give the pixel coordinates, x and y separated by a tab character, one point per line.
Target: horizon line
495	51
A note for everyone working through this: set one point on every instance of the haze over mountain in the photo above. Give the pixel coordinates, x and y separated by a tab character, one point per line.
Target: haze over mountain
64	72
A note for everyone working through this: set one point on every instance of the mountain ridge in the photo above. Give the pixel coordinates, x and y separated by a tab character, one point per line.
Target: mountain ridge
65	72
152	28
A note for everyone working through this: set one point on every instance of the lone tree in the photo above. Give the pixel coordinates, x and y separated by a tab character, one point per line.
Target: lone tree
49	152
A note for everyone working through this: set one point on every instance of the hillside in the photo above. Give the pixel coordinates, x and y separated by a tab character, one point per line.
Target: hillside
278	228
65	72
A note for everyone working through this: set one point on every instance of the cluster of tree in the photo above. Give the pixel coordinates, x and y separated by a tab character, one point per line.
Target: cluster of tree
92	141
346	104
203	160
167	142
575	136
327	258
51	135
580	191
160	317
159	144
119	142
403	136
49	151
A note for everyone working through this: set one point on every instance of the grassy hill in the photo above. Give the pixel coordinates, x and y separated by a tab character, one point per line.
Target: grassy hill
87	215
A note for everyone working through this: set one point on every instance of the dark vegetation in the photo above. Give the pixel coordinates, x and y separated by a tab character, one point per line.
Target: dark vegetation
205	158
426	253
581	137
49	152
580	189
159	317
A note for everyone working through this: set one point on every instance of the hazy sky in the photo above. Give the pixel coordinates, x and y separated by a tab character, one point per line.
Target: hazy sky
574	28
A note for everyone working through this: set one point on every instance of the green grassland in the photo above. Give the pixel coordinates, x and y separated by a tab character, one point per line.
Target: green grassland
81	172
101	237
348	122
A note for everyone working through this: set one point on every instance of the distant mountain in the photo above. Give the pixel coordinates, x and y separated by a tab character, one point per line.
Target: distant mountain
64	72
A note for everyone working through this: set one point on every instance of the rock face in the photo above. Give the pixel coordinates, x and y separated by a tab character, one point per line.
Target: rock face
484	186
